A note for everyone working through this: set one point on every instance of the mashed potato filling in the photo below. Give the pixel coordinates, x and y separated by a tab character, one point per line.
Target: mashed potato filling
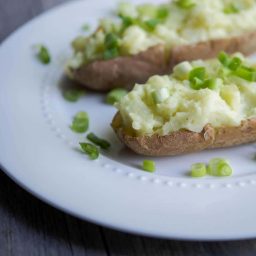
140	27
167	104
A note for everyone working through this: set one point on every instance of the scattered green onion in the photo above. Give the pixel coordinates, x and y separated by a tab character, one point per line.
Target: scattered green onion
235	63
198	72
127	21
231	9
196	83
115	95
98	141
224	59
219	167
110	53
80	122
72	95
246	73
185	4
43	54
86	27
156	97
211	83
91	150
148	166
198	170
162	13
151	24
196	77
111	46
111	41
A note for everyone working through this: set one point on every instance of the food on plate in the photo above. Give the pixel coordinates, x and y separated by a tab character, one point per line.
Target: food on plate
198	170
98	141
219	167
43	54
201	105
80	122
115	95
216	167
150	39
73	95
148	166
91	150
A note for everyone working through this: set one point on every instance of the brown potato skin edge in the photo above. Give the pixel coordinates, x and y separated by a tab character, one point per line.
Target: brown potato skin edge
184	141
125	71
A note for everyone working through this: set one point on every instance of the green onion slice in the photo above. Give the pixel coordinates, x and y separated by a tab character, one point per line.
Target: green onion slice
111	41
115	95
198	170
219	167
110	53
90	149
235	63
246	74
151	24
231	9
148	166
86	27
43	54
80	122
98	141
73	95
185	4
198	72
162	13
224	59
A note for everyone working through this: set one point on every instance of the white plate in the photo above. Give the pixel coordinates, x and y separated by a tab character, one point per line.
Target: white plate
38	150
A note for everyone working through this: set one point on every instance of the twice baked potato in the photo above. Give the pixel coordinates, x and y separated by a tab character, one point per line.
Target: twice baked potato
201	105
151	39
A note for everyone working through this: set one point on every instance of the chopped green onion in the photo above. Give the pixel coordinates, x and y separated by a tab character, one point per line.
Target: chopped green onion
79	44
111	41
231	9
111	46
80	122
110	53
196	77
90	149
185	4
198	170
198	72
196	83
212	83
115	95
219	167
98	141
162	13
235	63
151	24
224	59
148	166
246	73
86	27
127	21
155	97
43	54
72	95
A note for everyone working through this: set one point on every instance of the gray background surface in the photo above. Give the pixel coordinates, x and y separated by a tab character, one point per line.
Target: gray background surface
30	227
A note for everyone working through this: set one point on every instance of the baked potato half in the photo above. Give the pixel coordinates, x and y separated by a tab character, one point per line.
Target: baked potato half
151	39
201	105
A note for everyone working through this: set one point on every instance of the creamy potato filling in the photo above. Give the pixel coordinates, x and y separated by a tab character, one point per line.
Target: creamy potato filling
179	22
219	92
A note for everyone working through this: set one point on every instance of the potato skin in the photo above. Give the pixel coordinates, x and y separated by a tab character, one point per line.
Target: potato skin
184	141
125	71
